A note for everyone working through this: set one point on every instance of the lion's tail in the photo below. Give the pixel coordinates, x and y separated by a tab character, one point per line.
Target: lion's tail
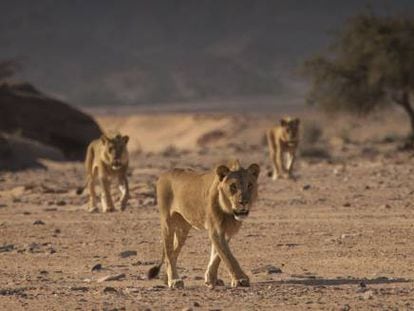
155	270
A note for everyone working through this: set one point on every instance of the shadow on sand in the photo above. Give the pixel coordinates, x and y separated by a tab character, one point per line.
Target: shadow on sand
336	281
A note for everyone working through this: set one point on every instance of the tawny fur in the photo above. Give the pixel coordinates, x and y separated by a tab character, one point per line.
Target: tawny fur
106	160
216	201
283	141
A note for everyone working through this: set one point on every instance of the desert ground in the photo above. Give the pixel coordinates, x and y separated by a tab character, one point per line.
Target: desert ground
338	237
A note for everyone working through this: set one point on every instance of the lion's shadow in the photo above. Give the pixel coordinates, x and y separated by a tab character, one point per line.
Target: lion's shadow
336	281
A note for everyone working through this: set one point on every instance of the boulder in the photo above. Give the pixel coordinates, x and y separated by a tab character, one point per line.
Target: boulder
26	112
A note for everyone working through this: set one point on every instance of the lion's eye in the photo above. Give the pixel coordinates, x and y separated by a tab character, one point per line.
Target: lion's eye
233	188
250	186
111	149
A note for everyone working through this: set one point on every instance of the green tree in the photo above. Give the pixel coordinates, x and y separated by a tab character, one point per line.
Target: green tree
370	65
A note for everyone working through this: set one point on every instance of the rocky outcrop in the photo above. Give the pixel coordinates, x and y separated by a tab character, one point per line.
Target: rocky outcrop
27	113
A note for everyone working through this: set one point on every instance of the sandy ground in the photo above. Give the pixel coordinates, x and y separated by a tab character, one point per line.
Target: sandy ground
342	233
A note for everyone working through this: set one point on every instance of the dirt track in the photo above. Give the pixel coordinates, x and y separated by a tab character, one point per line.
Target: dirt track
345	221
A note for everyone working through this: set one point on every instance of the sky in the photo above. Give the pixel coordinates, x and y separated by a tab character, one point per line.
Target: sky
131	52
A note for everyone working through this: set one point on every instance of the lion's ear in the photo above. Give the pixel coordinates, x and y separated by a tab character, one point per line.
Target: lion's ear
222	171
104	139
125	139
283	122
254	169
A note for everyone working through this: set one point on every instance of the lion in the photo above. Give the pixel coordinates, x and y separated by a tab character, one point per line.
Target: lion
218	201
106	159
283	141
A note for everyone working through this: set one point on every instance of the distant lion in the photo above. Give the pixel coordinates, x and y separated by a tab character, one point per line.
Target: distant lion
107	159
283	141
217	201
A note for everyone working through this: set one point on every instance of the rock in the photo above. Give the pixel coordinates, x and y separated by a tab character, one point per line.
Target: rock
17	152
128	253
38	222
45	120
346	204
113	277
306	187
97	267
273	270
109	289
269	269
196	304
61	203
6	248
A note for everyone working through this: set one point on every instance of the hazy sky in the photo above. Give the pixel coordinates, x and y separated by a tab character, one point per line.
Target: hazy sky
145	52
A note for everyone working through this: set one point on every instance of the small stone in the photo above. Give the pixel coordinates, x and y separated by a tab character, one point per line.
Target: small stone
109	289
198	278
306	187
386	206
38	222
187	309
126	254
269	269
196	304
6	248
61	203
113	277
97	267
346	204
273	270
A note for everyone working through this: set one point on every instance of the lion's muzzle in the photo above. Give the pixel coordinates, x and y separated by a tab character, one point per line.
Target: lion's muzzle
240	214
116	165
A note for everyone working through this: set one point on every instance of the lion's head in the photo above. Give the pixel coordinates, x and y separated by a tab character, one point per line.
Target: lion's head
115	151
237	189
291	129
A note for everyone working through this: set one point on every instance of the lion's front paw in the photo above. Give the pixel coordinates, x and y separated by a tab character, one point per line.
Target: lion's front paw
176	283
243	282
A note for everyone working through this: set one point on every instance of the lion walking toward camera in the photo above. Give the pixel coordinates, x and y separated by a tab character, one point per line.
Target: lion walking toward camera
107	159
217	201
283	141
